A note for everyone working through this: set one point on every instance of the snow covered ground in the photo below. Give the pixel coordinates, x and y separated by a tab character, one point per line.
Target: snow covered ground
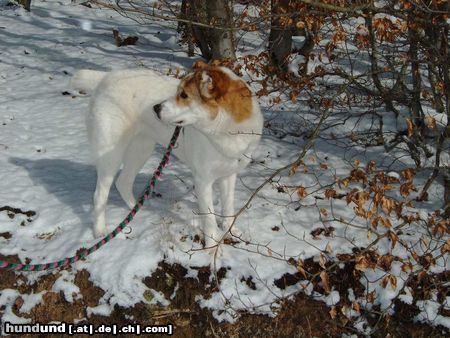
45	167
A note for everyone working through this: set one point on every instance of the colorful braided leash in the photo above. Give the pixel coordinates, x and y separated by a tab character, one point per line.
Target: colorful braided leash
86	252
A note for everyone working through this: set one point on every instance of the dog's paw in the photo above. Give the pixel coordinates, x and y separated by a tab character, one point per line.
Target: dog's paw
100	232
226	223
210	243
214	247
131	203
213	234
235	234
216	257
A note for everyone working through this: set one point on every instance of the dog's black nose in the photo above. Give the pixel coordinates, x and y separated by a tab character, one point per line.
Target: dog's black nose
157	109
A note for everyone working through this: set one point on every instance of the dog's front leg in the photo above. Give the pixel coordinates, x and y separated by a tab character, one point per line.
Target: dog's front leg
204	192
227	186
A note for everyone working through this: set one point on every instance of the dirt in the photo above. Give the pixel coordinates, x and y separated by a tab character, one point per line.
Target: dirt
12	212
298	317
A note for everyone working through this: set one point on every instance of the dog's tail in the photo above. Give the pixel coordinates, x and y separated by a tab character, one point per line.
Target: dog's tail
87	80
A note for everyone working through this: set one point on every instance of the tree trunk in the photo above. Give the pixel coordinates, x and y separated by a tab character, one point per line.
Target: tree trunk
447	193
415	104
194	11
446	75
280	38
213	43
305	49
26	4
221	41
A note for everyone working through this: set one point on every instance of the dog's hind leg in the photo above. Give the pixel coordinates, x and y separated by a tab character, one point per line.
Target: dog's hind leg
137	153
106	170
107	167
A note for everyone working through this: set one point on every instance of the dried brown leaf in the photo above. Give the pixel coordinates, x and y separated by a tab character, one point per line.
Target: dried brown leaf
324	212
393	281
322	261
371	296
300	268
325	281
430	122
301	192
384	282
410	126
330	193
385	262
333	312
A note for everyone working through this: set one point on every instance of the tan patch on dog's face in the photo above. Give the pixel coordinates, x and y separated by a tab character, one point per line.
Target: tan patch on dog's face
189	92
186	93
212	87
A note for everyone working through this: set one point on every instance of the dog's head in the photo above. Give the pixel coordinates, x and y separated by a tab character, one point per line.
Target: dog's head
203	94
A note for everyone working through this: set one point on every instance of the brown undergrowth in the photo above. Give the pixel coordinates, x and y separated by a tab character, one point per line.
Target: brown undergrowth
300	316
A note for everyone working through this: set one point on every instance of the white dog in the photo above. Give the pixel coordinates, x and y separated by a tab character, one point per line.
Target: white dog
131	110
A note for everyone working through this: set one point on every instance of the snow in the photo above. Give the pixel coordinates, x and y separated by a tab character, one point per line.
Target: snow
407	296
102	310
30	301
333	298
429	313
45	167
7	300
65	285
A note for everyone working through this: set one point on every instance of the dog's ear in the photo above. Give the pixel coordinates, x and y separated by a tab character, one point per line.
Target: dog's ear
198	65
213	83
206	84
216	63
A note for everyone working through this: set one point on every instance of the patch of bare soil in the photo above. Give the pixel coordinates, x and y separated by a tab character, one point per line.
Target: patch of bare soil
298	317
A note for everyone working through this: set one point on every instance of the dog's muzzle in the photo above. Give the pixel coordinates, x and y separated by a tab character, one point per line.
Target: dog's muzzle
157	109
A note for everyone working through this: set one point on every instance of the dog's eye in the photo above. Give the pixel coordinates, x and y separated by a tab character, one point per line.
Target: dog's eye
183	95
